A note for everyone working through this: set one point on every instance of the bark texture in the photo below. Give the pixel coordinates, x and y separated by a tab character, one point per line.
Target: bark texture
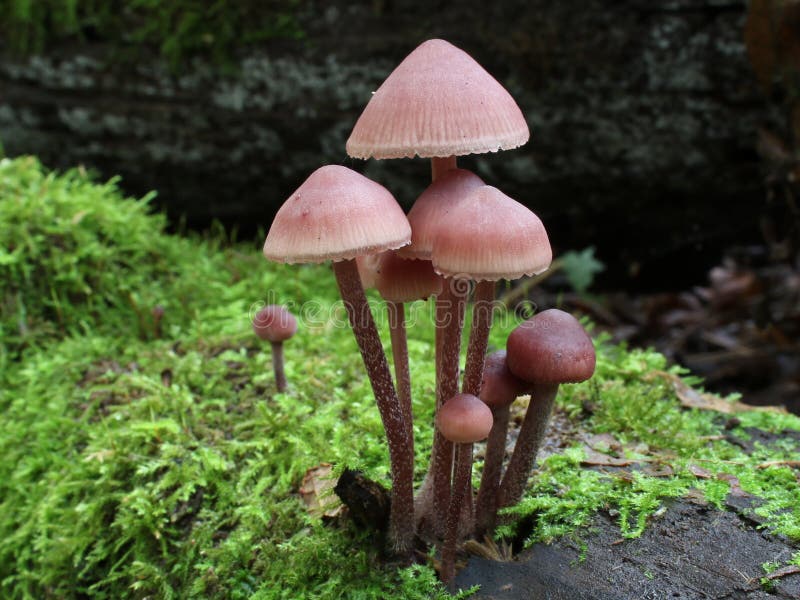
643	116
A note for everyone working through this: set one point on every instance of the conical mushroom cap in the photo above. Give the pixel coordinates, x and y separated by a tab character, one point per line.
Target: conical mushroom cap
438	102
439	198
550	347
490	237
336	214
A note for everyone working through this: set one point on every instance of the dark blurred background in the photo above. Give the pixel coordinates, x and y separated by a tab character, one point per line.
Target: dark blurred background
663	132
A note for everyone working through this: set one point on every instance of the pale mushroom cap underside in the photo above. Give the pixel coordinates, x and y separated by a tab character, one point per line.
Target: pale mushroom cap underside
336	214
438	102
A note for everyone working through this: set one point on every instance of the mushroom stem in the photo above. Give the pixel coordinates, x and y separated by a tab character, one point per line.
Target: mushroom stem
462	490
486	504
277	366
453	303
531	435
478	337
402	376
401	458
441	165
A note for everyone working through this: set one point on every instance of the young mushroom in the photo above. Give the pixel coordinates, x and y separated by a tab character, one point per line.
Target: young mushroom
499	388
548	349
463	420
338	214
275	324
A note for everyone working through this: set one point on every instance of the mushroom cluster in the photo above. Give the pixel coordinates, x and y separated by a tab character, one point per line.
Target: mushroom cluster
461	235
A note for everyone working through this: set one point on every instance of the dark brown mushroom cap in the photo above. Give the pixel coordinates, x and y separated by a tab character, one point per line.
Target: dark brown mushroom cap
551	347
500	386
464	419
274	323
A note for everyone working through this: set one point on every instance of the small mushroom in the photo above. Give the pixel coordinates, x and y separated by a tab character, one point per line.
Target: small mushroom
275	324
548	349
499	388
463	420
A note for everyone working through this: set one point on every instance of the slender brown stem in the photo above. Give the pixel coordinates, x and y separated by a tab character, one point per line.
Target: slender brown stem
531	435
277	366
486	504
462	489
441	165
453	298
441	464
401	518
478	337
402	376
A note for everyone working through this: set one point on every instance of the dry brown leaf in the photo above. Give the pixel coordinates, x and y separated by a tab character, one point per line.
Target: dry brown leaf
700	472
692	398
594	458
733	481
795	464
317	492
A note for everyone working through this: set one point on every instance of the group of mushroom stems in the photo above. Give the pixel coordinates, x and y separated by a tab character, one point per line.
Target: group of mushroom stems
460	235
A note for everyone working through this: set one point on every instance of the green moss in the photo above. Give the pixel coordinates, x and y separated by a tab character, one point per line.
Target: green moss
177	29
169	467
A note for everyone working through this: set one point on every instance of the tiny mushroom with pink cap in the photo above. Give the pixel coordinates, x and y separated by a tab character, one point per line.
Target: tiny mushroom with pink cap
338	214
499	388
548	349
463	420
275	324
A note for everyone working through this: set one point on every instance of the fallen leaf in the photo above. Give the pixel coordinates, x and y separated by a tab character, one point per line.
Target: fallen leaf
795	464
700	472
598	459
733	481
692	398
317	492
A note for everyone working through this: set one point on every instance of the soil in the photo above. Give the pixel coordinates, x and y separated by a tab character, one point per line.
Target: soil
691	551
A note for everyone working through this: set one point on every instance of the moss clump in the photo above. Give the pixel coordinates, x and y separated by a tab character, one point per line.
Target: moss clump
177	29
169	467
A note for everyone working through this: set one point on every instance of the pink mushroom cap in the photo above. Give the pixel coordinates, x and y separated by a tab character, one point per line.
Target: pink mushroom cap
274	323
464	419
438	102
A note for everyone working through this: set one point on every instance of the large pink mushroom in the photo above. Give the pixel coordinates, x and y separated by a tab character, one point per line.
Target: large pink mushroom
338	215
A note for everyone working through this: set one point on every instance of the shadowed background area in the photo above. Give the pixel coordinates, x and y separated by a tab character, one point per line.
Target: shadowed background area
643	114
